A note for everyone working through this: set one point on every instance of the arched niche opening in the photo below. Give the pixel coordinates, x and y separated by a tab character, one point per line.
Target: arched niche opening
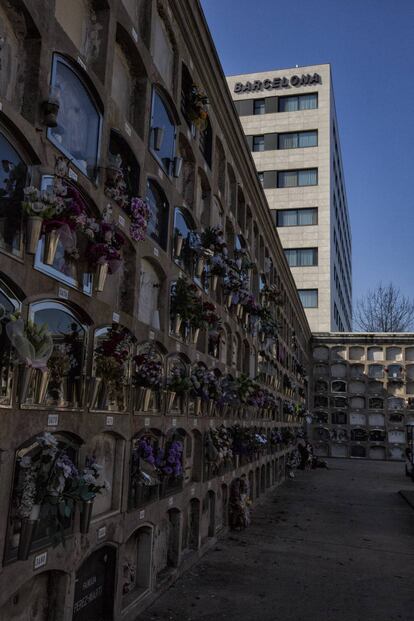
136	565
152	288
19	57
184	232
211	511
10	303
241	208
164	48
129	81
13	175
108	450
163	130
232	185
203	204
191	534
148	376
186	180
79	120
26	502
122	172
62	384
220	166
111	373
159	214
144	477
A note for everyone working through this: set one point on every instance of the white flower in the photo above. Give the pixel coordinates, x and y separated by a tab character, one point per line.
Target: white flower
37	207
26	461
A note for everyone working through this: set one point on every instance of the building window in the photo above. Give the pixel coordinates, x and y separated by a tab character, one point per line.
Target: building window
258	143
295	178
261	177
158	220
298	140
292	103
78	129
297	217
259	106
308	297
162	132
302	257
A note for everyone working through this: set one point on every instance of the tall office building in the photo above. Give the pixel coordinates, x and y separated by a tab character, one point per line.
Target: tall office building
290	124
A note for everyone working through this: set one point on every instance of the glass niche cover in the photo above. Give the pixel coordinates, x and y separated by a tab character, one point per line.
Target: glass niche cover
77	133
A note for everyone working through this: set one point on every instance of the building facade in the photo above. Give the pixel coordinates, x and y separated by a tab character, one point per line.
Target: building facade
290	123
362	394
162	340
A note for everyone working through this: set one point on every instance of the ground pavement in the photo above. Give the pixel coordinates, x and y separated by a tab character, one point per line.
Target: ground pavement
330	545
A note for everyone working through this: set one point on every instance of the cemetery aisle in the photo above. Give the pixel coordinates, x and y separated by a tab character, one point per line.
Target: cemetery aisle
330	545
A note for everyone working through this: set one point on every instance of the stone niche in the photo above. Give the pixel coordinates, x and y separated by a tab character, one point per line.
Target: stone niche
19	58
377	452
376	420
355	418
40	599
339	450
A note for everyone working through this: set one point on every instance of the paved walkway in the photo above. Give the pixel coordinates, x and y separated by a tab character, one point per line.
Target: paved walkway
330	545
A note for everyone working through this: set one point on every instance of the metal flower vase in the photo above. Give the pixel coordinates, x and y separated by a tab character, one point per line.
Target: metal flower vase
144	398
42	386
177	321
197	406
214	282
33	231
178	245
194	334
52	239
25	379
94	390
170	400
200	266
27	532
85	516
101	274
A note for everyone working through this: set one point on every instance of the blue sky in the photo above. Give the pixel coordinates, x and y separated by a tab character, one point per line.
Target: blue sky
370	45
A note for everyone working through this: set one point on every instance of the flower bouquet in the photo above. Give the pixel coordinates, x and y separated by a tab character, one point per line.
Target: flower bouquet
169	462
104	249
33	345
242	259
59	364
217	269
197	107
178	385
116	187
199	387
185	305
212	238
201	253
147	377
84	488
145	477
112	356
49	487
37	206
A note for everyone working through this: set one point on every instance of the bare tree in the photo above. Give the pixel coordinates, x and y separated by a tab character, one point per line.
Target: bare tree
384	309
